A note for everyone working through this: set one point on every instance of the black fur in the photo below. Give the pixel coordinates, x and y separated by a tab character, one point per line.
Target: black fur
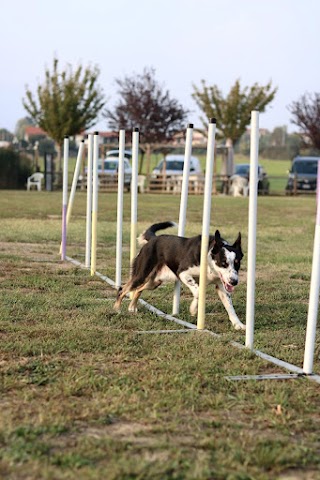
169	257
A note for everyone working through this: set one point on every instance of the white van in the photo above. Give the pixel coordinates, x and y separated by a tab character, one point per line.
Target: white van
174	165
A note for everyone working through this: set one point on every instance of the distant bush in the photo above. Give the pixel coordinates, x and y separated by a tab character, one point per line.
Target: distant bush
280	153
14	169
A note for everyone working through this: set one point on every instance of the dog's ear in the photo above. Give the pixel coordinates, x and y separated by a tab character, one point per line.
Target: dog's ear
216	242
237	243
217	236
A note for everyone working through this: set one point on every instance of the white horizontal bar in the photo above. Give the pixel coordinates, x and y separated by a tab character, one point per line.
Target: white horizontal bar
161	314
271	376
164	331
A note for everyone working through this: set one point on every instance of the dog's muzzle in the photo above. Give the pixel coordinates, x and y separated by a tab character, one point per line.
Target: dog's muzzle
229	286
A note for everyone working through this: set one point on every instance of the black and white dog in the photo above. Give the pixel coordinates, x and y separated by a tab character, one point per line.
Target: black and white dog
166	258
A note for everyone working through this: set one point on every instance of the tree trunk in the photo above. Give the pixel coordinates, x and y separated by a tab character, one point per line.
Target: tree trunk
141	162
148	156
227	167
59	157
230	158
58	163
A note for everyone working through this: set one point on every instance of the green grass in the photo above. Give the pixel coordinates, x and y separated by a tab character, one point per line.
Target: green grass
83	396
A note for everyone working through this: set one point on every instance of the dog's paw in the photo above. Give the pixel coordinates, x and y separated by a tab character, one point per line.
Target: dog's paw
116	307
194	308
132	309
239	326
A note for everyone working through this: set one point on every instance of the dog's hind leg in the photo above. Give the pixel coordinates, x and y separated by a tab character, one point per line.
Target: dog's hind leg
227	303
134	301
149	285
122	292
190	282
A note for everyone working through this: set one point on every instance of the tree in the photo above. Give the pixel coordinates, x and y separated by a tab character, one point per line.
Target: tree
306	115
14	169
67	103
233	113
145	104
21	125
5	135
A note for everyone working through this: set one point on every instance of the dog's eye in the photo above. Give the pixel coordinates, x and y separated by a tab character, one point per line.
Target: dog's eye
224	265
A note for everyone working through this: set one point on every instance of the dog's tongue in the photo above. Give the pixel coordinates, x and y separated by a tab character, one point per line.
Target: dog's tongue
229	288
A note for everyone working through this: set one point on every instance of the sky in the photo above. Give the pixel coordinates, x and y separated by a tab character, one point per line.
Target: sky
185	41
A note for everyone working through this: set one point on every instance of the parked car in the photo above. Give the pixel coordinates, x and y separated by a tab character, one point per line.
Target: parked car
115	153
243	169
110	166
174	165
303	174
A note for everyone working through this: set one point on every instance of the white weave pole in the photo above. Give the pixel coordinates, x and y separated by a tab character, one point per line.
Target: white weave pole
206	224
75	180
95	188
314	292
122	137
134	194
252	228
64	197
183	207
74	184
89	201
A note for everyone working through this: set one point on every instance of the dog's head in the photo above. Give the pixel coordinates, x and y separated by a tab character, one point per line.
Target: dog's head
225	259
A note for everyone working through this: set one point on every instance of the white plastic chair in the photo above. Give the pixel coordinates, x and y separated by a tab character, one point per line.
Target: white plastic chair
35	180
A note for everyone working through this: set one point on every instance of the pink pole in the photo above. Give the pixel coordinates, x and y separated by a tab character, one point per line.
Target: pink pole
64	197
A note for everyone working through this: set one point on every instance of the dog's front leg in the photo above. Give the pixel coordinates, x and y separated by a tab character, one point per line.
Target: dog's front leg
190	282
227	303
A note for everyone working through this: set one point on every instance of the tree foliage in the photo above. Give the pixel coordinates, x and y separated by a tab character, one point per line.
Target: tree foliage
233	112
5	135
306	115
21	125
14	169
145	104
67	102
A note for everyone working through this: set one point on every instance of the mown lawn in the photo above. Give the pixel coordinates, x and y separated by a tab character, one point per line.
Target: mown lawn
84	396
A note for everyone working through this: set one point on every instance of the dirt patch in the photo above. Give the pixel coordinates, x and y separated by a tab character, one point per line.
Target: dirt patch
35	253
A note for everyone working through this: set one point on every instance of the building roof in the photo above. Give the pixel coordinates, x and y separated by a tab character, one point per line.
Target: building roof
31	130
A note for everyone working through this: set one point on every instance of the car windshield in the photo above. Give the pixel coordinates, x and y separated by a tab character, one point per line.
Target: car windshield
113	165
110	165
171	165
310	167
242	169
115	153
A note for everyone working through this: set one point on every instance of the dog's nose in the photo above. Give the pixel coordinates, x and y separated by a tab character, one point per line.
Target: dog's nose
234	282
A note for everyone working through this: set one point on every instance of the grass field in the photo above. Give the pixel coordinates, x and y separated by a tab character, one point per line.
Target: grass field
83	396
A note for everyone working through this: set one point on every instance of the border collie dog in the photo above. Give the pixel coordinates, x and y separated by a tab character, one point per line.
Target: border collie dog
166	258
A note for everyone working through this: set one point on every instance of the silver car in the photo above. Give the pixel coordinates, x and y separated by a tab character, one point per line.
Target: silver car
111	165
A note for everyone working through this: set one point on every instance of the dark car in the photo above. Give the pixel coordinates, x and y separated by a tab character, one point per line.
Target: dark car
303	175
243	169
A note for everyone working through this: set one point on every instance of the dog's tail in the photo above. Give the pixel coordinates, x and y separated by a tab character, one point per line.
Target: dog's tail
151	231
